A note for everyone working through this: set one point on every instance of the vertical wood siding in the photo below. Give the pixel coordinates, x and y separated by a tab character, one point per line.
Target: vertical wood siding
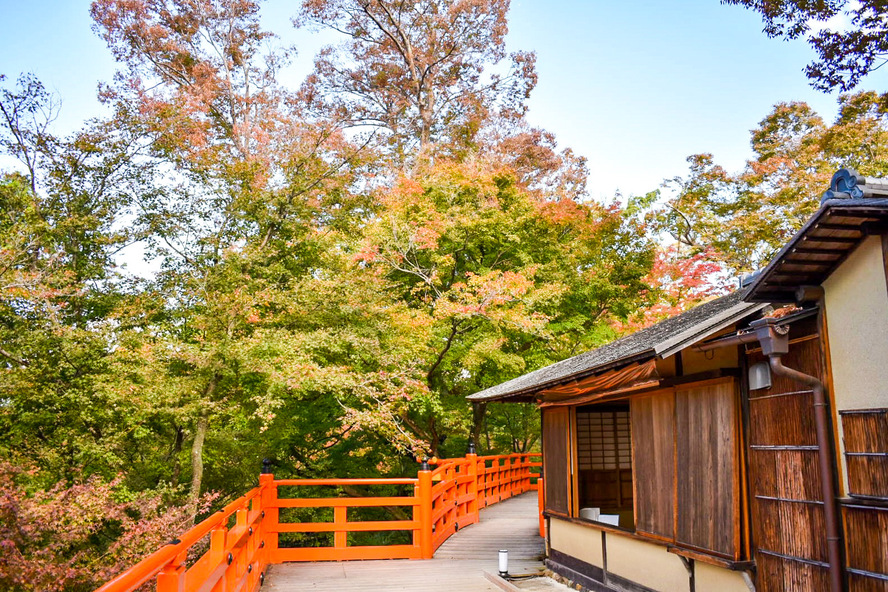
708	495
866	452
866	548
787	510
653	442
556	459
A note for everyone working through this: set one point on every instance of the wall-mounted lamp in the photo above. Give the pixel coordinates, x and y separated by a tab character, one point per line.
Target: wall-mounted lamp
759	376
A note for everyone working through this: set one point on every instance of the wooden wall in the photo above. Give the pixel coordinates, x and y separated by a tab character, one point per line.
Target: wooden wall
866	526
686	459
866	452
787	508
866	547
707	457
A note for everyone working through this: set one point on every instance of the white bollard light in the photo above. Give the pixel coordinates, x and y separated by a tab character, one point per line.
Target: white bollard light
503	562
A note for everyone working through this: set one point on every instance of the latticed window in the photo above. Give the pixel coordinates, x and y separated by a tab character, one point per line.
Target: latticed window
603	440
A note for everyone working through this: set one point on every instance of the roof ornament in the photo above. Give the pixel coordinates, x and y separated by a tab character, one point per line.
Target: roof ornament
848	184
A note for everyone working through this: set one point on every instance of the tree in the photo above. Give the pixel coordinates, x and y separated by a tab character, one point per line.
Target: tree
423	71
506	281
242	195
796	155
73	537
58	237
844	57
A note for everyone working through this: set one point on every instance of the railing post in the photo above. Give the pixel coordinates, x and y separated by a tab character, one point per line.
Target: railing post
525	473
270	521
172	577
218	542
541	500
424	489
510	474
340	535
472	508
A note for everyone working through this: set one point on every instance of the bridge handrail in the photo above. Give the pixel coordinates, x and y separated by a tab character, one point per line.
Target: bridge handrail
174	551
444	499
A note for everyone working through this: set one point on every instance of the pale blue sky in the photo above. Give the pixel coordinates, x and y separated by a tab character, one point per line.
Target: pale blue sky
635	87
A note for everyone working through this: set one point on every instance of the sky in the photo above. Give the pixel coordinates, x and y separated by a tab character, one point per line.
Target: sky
635	87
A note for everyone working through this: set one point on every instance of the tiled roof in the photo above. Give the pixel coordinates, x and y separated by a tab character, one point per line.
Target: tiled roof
662	339
819	247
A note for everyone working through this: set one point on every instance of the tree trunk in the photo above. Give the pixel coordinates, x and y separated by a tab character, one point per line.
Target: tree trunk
479	410
197	446
433	441
177	449
200	433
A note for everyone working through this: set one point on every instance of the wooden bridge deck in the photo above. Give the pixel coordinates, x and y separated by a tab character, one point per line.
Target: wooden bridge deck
458	565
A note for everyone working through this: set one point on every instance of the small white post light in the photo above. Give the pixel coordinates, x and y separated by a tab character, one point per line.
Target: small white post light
503	562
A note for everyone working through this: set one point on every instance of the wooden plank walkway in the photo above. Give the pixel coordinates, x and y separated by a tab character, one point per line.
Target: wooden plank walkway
458	565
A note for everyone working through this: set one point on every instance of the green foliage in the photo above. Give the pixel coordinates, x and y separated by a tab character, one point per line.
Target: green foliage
323	299
844	56
796	154
504	281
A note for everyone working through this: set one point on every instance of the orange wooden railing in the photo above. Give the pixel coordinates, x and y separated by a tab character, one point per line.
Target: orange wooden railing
442	500
236	559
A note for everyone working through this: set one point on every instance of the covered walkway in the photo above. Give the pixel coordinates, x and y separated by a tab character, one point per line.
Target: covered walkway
459	564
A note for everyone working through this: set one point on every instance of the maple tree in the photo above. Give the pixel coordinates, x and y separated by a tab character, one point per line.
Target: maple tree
422	71
322	297
796	153
240	218
507	281
846	56
75	536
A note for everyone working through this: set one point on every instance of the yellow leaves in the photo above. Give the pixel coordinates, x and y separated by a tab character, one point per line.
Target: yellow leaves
495	295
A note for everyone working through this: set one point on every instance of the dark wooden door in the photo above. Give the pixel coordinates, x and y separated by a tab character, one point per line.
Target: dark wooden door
788	526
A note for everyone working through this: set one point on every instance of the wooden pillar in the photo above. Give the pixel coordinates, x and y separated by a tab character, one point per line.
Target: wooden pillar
541	501
218	542
270	522
424	490
472	508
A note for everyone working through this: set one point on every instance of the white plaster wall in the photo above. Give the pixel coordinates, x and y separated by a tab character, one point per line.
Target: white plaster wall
643	563
856	303
712	578
694	361
647	564
582	542
856	300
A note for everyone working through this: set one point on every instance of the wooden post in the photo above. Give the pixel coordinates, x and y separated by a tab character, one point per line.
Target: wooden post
241	517
522	474
172	577
340	535
218	541
472	508
270	522
541	497
424	487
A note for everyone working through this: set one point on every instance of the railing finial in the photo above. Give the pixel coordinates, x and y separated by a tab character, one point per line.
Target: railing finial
266	466
471	447
424	466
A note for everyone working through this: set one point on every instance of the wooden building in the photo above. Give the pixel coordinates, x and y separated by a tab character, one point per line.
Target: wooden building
742	445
